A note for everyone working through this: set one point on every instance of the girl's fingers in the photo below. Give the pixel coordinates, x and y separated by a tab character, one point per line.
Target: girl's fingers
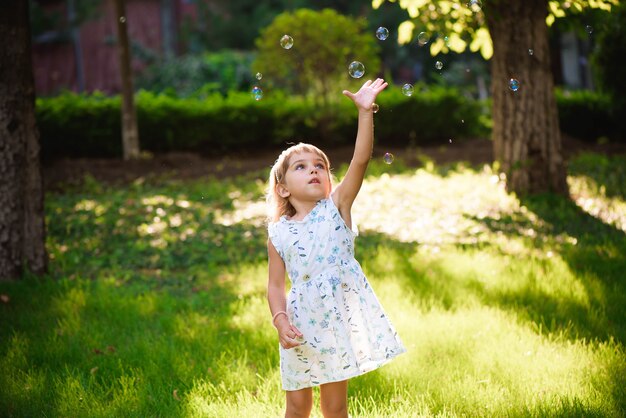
296	330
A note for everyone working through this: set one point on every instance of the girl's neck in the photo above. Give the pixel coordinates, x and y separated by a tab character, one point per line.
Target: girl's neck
303	208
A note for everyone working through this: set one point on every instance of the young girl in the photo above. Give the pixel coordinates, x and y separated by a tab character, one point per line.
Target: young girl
331	326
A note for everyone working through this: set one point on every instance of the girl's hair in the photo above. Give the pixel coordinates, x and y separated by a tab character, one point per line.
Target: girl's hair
277	205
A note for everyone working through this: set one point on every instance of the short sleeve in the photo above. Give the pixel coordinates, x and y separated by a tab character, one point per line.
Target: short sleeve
272	232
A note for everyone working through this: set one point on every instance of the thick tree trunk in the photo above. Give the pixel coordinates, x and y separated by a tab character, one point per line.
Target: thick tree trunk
526	134
130	136
22	229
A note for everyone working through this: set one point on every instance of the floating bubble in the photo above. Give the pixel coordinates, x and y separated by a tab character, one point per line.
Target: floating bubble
286	41
530	51
423	38
589	29
462	120
356	69
439	65
122	19
475	5
257	93
514	84
407	89
450	140
375	107
382	33
259	76
388	158
446	40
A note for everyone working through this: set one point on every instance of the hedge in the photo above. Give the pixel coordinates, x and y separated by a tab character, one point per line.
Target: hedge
587	115
89	125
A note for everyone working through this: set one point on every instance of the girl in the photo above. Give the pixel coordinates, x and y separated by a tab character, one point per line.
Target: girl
331	326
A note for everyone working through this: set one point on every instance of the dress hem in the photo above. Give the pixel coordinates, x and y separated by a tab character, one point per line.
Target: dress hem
350	376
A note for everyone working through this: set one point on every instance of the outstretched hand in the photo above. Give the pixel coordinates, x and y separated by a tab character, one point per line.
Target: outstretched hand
364	98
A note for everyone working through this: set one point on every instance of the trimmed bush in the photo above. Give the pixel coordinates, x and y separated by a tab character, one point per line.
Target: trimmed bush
586	115
83	125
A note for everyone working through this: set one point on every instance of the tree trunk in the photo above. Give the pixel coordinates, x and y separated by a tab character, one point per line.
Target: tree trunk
130	137
526	134
22	227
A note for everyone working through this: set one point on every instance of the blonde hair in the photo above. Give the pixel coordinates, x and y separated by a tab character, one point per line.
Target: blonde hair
277	205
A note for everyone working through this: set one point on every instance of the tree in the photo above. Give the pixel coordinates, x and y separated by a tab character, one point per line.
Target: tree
526	134
609	59
22	230
130	136
324	45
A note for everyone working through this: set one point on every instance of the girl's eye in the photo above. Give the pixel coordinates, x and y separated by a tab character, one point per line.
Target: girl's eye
320	165
299	166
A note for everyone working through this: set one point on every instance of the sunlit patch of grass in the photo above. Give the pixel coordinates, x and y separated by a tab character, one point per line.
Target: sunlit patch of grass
507	307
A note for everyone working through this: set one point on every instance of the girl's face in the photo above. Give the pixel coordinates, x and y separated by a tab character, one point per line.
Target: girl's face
307	177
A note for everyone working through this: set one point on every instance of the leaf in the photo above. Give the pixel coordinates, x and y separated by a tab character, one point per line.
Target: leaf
405	32
175	394
5	298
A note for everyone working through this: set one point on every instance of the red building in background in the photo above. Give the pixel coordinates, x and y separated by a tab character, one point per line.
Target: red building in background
87	59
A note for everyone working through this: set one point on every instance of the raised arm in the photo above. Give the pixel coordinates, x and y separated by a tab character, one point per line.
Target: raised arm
347	190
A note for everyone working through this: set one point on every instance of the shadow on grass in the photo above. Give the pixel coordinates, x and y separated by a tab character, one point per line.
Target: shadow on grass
608	172
597	256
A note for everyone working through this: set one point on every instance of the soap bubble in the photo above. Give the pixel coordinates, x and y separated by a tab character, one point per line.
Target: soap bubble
589	29
514	84
475	5
388	158
439	65
356	69
286	41
530	51
375	107
259	76
407	89
257	93
382	33
423	38
122	19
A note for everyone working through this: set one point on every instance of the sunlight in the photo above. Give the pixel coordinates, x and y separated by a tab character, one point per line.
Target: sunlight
591	197
430	210
246	210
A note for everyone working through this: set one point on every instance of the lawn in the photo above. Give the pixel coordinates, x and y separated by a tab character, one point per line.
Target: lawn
155	301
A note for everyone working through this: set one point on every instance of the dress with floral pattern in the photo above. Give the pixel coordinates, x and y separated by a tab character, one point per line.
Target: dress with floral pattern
345	331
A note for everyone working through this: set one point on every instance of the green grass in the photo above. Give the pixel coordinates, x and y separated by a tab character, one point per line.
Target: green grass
155	302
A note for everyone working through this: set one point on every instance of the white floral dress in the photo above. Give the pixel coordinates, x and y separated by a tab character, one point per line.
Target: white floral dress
345	331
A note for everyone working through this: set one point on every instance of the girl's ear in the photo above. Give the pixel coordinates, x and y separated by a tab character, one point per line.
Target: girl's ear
282	191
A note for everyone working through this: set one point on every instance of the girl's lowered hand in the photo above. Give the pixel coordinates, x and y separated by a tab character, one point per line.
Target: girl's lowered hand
288	334
364	98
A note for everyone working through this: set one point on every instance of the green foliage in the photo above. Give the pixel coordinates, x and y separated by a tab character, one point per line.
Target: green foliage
324	44
429	115
56	20
586	115
231	24
83	125
77	124
155	304
610	60
198	75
